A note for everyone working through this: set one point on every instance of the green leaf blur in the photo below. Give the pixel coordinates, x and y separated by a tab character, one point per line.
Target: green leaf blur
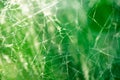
59	40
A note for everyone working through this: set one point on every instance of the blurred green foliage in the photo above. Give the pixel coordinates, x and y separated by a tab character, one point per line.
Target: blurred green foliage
59	40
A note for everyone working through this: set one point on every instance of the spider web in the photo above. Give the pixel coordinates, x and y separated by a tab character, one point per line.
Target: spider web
59	40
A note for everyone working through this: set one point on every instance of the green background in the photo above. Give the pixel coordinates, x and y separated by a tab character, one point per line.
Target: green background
59	40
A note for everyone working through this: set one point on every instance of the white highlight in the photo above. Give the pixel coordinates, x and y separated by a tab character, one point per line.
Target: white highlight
7	58
25	9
